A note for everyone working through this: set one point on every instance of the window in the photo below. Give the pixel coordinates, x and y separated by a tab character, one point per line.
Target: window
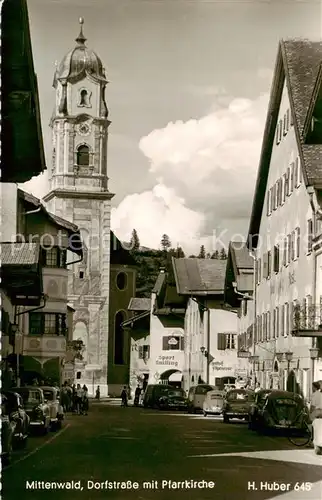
277	322
84	98
231	341
83	155
269	264
274	194
292	178
268	320
79	375
286	183
121	281
282	320
285	252
293	245
274	324
285	124
298	242
264	327
259	270
144	351
81	274
289	183
119	338
287	320
172	343
309	235
47	324
265	265
280	191
278	196
276	258
54	257
289	248
279	131
226	341
269	202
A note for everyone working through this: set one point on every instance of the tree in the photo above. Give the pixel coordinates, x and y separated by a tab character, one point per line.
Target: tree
165	242
135	242
202	252
223	255
215	255
208	256
180	253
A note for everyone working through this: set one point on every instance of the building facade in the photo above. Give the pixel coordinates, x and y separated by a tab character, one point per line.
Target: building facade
210	328
282	229
79	192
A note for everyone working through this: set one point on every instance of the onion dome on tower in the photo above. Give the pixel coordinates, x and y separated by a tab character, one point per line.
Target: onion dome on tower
79	63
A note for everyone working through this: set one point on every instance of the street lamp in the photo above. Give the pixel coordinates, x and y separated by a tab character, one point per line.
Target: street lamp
204	351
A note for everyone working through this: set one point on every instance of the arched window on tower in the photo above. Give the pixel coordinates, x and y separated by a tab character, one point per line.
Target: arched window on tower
119	338
83	155
84	98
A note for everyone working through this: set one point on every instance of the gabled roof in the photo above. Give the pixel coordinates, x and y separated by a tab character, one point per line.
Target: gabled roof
199	276
298	64
139	304
130	323
240	255
76	244
160	282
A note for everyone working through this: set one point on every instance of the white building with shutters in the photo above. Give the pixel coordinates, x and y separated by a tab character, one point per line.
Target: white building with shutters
283	230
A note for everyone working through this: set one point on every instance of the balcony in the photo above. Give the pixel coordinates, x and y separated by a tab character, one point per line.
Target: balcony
307	321
45	346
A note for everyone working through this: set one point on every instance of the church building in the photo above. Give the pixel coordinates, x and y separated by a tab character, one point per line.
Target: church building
79	193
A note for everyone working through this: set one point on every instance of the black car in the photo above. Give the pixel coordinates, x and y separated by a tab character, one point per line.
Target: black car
256	407
280	411
174	399
153	394
18	417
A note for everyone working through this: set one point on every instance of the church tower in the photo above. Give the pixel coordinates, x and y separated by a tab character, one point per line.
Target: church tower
79	193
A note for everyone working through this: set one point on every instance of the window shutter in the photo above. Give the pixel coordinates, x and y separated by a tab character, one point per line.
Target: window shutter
287	182
289	248
165	345
274	324
268	325
291	317
181	343
269	263
259	270
269	202
221	342
293	245
282	320
298	242
256	271
309	235
265	265
277	322
276	258
304	313
292	177
284	189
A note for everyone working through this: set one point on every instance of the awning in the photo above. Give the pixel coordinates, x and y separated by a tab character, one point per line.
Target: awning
175	377
21	276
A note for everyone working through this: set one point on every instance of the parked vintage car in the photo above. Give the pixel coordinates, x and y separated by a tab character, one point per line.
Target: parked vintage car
213	403
196	397
18	417
237	403
173	399
256	406
281	410
36	407
7	431
52	396
153	393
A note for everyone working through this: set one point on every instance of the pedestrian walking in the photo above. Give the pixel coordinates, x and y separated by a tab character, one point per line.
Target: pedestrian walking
124	396
98	393
79	399
65	398
137	396
316	402
85	404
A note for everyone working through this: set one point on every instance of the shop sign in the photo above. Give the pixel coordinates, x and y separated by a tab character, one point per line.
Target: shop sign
166	361
172	341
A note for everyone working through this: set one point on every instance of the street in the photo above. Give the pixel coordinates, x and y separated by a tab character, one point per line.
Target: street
152	452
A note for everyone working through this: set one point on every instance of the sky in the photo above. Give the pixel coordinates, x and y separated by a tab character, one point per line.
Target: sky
188	94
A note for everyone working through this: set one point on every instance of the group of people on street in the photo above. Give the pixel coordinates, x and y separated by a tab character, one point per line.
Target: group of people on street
75	398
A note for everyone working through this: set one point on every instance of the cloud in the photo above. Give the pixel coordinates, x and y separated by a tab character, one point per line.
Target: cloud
209	166
157	212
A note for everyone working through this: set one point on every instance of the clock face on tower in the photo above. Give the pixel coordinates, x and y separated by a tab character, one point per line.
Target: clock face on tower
84	129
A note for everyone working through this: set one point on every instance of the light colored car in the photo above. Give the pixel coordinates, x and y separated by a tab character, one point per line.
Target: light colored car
35	406
213	403
196	397
52	398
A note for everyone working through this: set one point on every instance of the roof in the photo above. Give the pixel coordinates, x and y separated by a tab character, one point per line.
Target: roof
23	254
75	241
199	275
240	254
245	283
131	321
298	64
159	282
139	304
119	254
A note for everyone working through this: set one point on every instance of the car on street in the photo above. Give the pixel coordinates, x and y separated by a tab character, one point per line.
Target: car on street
256	407
173	399
19	417
7	431
52	396
213	403
196	397
153	393
237	403
281	410
36	407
